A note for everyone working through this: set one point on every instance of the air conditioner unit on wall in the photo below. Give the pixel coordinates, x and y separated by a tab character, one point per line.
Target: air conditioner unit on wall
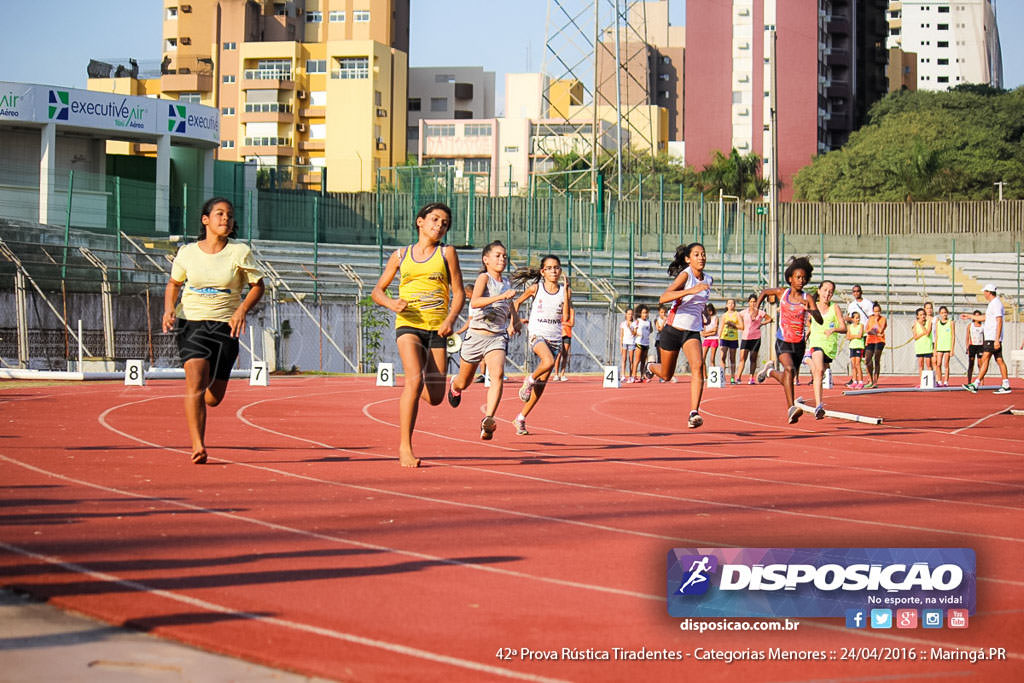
301	127
301	161
186	8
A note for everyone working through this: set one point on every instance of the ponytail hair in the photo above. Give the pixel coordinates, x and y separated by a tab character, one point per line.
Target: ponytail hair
487	250
682	253
530	275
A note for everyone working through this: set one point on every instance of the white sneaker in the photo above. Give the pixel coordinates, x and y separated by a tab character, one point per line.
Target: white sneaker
794	414
762	375
695	420
819	412
1003	390
526	390
520	425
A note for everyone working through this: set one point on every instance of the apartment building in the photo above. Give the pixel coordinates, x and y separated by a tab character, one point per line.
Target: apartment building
956	42
830	60
448	92
312	88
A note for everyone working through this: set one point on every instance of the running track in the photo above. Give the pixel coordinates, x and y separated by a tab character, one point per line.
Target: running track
305	546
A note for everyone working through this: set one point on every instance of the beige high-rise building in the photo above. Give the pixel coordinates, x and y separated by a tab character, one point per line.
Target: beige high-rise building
311	88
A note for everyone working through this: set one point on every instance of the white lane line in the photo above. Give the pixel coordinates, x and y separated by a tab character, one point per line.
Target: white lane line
275	621
980	420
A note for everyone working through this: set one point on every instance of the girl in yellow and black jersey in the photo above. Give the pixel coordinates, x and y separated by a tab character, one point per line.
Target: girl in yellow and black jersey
430	296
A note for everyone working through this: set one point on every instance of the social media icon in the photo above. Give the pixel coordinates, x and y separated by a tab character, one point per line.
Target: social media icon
881	618
906	618
956	618
856	618
931	618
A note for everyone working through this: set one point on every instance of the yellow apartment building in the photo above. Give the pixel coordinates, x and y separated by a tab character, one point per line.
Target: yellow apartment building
310	88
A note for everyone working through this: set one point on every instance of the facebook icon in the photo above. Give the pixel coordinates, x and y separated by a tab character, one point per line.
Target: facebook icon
856	618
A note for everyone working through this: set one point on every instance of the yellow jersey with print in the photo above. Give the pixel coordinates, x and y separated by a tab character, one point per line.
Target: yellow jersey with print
213	282
731	333
426	288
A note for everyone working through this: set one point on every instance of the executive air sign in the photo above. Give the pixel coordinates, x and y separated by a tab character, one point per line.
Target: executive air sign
816	582
125	114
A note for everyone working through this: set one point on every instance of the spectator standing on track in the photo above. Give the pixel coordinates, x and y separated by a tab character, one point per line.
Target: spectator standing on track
924	346
945	342
875	344
975	340
729	328
993	347
688	294
750	343
794	307
710	335
209	275
491	324
642	325
859	304
627	336
550	308
855	335
566	353
824	340
430	297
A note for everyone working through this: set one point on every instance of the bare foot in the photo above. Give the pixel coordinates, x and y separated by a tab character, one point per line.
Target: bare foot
199	458
408	460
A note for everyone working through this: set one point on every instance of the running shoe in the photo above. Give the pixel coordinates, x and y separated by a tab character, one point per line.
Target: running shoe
971	387
793	414
1003	390
869	385
454	397
526	389
520	425
763	374
819	412
695	420
487	427
850	383
752	381
648	373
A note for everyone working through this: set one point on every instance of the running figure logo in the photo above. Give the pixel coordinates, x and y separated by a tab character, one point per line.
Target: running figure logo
696	579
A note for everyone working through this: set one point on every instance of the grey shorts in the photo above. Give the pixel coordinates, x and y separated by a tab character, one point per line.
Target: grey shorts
554	346
476	346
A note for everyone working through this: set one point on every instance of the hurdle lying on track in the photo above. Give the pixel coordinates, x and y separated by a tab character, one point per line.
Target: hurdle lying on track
862	392
852	417
151	373
1012	411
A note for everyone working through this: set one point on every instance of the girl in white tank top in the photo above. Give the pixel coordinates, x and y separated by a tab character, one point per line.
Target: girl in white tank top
552	301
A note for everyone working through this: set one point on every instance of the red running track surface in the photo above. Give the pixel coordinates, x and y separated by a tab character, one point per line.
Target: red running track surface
303	544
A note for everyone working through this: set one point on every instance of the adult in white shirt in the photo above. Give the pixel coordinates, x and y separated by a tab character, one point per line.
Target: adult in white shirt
859	305
993	344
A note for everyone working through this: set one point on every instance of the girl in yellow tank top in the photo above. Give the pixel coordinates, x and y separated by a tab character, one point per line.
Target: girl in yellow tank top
429	276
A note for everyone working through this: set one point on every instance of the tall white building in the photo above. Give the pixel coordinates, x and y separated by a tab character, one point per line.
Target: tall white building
956	42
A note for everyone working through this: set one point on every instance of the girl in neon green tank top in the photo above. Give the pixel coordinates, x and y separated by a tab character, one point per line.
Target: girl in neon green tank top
924	347
945	342
824	340
430	274
855	335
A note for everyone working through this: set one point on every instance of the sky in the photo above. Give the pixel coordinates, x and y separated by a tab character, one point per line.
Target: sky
504	37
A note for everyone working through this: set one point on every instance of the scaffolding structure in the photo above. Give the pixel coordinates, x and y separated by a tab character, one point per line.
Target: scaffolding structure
597	98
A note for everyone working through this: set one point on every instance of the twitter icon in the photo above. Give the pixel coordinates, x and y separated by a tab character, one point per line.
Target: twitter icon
881	618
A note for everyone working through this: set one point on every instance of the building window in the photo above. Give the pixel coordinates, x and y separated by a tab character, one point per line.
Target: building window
336	17
271	70
227	144
942	27
316	66
171	44
943	62
414	104
942	43
227	111
438	104
378	98
444	78
477	130
511	149
351	68
172	12
439	131
190	97
314	16
267	108
446	163
943	9
280	9
943	79
229	78
361	16
476	166
231	46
